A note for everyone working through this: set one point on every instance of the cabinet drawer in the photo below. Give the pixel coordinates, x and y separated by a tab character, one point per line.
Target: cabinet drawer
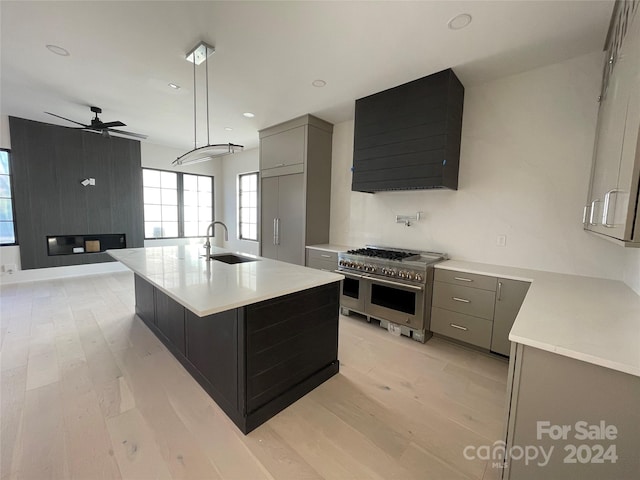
322	264
467	300
466	279
322	255
476	331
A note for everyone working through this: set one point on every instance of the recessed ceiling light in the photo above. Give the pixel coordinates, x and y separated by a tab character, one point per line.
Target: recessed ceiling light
174	86
249	114
63	52
459	21
228	129
318	83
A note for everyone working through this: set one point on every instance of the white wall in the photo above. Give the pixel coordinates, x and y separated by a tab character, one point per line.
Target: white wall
525	161
232	166
632	269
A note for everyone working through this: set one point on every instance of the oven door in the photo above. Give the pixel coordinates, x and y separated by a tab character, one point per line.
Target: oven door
352	291
396	302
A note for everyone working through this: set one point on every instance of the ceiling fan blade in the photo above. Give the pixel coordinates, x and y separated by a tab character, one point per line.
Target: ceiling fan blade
67	119
110	124
129	134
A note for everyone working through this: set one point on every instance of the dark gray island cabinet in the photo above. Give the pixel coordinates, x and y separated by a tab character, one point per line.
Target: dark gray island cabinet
256	359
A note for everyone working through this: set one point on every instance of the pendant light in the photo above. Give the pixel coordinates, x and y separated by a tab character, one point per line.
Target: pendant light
208	152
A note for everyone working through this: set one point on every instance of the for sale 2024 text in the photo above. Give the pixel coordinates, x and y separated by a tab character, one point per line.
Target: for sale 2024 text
582	431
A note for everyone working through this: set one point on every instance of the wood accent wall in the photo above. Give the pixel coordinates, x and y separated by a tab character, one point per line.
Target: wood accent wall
49	162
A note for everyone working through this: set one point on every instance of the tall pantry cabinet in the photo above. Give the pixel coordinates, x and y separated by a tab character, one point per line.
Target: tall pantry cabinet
295	187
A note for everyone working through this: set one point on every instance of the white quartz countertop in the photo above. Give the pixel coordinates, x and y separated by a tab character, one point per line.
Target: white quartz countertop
590	319
211	287
329	247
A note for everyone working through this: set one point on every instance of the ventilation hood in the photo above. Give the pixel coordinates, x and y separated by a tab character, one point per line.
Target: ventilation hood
408	137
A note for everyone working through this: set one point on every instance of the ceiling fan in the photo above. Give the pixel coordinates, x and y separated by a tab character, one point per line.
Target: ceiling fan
99	126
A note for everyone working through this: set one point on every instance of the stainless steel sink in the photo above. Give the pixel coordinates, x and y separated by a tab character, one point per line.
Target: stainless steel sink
231	258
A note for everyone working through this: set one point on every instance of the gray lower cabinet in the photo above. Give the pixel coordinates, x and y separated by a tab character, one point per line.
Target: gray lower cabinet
588	440
295	193
326	260
509	298
476	309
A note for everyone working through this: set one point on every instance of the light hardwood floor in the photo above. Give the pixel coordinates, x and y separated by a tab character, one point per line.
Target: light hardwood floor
88	392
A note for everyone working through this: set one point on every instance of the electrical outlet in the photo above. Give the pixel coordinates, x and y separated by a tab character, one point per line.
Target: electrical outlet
501	241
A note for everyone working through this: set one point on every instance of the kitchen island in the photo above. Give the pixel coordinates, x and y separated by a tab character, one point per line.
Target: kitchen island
574	377
257	335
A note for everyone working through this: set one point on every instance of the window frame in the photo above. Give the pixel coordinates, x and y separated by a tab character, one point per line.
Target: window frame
239	223
13	200
180	206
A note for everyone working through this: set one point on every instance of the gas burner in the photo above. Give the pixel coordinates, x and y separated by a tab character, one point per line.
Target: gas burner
379	262
383	253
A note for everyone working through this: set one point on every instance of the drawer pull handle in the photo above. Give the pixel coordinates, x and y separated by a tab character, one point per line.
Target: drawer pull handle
462	279
325	256
463	300
458	327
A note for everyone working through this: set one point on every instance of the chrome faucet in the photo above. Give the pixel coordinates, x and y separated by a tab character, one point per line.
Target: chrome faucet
207	244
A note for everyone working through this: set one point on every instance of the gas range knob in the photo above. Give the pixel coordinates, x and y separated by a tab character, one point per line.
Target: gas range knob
418	277
402	274
341	263
373	269
410	276
392	272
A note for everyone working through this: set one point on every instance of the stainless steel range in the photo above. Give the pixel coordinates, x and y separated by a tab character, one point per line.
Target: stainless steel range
390	285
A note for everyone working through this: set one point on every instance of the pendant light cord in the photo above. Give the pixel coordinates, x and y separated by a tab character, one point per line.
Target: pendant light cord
195	125
207	86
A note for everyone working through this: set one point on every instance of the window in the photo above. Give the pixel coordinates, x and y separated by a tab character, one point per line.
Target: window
198	204
7	225
248	206
176	204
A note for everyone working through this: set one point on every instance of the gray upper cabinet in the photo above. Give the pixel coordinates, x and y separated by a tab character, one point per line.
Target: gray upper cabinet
283	149
612	205
509	297
295	193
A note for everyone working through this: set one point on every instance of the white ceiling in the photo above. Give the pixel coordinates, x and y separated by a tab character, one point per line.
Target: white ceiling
123	55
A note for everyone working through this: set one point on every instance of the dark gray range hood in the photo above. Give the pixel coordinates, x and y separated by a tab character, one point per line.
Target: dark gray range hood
408	137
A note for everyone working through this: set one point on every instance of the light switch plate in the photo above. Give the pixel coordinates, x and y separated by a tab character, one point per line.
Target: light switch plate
501	241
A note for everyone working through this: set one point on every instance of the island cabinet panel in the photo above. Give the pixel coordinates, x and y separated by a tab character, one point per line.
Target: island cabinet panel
170	320
145	301
289	339
254	360
212	347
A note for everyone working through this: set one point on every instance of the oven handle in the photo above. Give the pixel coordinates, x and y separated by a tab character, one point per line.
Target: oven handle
348	274
417	288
